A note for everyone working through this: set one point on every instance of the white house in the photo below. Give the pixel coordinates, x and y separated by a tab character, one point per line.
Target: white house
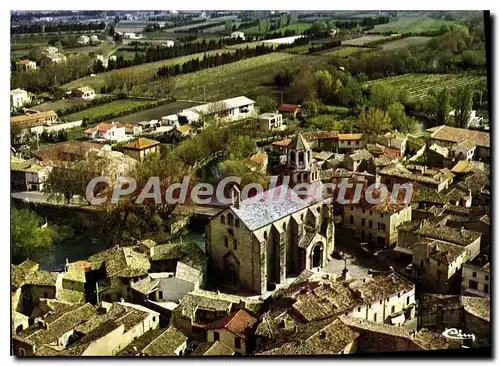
83	39
94	39
168	43
26	65
232	109
464	150
18	98
238	35
84	92
106	131
270	121
131	35
173	119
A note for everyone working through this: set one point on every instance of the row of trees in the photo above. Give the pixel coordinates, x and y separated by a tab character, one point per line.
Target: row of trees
213	60
157	53
46	27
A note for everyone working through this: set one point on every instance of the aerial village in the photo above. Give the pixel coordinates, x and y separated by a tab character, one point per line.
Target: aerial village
315	277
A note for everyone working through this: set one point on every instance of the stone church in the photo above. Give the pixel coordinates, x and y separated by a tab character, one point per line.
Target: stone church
257	242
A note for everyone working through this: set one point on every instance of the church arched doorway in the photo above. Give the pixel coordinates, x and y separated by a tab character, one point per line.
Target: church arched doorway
317	256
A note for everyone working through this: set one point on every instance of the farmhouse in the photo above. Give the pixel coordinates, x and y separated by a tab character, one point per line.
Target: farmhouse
106	131
30	120
27	175
289	110
85	92
83	39
169	43
239	35
228	109
449	136
26	65
18	98
270	121
141	147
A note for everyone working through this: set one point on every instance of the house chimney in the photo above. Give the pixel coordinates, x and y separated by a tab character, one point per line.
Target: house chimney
322	334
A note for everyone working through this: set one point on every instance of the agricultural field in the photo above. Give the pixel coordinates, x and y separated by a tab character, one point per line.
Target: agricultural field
412	25
59	104
361	41
405	42
127	55
248	44
418	85
84	49
345	51
250	77
299	50
155	113
115	106
299	28
148	70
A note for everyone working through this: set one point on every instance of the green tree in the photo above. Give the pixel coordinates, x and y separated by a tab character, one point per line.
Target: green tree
248	171
462	103
399	120
325	85
303	86
374	121
266	103
381	96
241	147
310	108
228	26
28	234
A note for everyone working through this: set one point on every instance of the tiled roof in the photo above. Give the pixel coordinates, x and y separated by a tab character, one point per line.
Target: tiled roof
188	253
429	340
445	252
62	325
466	144
213	349
259	158
288	107
121	262
453	134
140	144
166	343
207	299
450	234
366	325
362	154
283	143
32	117
350	136
103	126
477	306
68	150
146	285
236	323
